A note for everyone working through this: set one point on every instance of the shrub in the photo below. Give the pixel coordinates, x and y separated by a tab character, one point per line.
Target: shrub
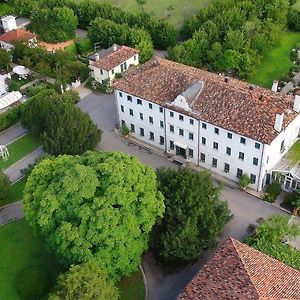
290	201
33	284
10	117
244	181
84	45
272	191
4	185
124	129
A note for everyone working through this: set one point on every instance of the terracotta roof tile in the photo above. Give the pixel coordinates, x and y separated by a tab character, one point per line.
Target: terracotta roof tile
112	58
17	35
234	105
238	271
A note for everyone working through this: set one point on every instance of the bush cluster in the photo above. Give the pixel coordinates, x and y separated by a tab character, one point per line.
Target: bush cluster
272	192
10	117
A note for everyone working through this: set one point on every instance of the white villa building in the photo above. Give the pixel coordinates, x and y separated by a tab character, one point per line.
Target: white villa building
107	63
216	122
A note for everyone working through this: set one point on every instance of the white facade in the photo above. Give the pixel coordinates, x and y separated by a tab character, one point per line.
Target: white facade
211	147
102	75
9	23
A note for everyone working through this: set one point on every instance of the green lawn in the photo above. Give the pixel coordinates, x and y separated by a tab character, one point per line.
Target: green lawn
182	9
276	62
15	193
5	9
297	5
20	250
294	153
20	148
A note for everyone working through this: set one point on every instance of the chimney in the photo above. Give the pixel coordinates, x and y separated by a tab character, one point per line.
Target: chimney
97	56
278	122
275	86
226	79
296	106
114	47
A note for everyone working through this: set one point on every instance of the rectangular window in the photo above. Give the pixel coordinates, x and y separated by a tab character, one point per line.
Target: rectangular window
141	116
161	124
150	120
243	140
252	178
241	155
180	117
226	168
257	145
216	130
129	98
120	94
216	145
101	72
122	108
171	128
130	111
191	121
181	132
191	153
229	135
228	151
132	128
239	173
203	140
161	140
202	157
204	125
150	105
171	145
161	110
134	58
112	72
255	161
171	114
123	122
142	132
214	162
139	101
151	136
191	136
282	147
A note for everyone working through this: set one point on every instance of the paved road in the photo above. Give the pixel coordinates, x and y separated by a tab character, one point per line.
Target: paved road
11	212
246	208
12	133
14	171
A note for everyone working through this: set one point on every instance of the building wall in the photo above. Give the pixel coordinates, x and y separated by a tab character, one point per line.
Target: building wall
6	46
257	160
111	74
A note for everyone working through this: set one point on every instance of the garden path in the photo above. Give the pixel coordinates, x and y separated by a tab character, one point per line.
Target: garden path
11	212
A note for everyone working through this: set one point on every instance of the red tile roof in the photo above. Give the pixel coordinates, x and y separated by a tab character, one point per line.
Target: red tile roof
17	35
112	59
238	271
234	105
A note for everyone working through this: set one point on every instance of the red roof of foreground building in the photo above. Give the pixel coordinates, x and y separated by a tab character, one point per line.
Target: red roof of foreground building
240	272
222	101
110	58
17	35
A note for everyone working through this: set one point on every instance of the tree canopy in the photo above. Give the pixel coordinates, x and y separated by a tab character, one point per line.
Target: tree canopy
270	237
85	281
5	59
194	215
105	208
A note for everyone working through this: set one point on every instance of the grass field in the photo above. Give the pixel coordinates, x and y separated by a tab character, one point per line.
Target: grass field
294	153
15	193
297	5
20	250
181	8
5	9
276	62
20	148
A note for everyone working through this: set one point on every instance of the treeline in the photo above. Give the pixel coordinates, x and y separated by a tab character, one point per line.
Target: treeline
162	33
231	35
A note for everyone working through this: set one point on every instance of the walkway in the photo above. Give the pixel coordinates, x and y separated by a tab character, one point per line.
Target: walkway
12	133
11	212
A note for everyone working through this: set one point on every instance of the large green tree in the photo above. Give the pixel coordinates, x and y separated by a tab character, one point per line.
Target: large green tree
100	206
86	282
194	215
5	59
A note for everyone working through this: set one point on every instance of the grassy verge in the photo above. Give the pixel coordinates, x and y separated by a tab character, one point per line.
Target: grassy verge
20	148
21	250
174	11
276	62
15	193
294	153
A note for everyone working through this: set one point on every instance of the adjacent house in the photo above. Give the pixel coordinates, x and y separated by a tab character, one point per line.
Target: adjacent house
238	271
107	63
215	122
8	39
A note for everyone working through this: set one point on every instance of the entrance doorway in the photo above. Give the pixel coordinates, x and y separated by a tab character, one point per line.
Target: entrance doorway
180	151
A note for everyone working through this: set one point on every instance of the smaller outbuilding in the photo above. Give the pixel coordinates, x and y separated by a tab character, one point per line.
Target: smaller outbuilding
106	64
